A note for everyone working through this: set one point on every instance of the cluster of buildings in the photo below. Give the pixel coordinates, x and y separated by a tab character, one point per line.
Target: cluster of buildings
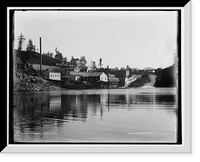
69	76
83	78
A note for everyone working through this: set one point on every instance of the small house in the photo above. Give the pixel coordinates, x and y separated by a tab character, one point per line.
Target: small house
95	77
71	77
51	75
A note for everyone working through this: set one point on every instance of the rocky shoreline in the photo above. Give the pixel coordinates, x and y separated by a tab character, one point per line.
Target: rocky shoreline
26	79
24	83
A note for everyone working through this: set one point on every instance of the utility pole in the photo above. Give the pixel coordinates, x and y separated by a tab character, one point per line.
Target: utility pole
21	39
108	76
41	55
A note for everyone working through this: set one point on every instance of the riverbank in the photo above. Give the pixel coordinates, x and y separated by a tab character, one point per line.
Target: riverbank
24	82
26	79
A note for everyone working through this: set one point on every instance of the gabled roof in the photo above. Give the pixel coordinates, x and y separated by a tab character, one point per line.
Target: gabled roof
60	70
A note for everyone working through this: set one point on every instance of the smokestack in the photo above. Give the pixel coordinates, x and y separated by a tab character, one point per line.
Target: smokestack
40	54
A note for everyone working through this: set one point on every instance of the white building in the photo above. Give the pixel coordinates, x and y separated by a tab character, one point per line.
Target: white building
95	77
52	75
103	77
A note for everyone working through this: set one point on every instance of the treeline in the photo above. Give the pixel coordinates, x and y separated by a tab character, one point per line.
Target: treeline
34	58
31	54
166	77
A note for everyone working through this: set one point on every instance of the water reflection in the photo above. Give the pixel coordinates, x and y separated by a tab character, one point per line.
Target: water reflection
73	106
36	110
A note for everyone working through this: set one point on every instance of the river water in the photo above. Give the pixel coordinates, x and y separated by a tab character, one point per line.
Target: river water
146	115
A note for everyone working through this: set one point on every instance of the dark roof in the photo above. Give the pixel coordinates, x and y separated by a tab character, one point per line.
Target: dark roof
66	76
60	70
76	73
92	74
48	71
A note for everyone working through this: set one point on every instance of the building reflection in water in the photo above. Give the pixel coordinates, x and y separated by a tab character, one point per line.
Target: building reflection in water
104	111
76	107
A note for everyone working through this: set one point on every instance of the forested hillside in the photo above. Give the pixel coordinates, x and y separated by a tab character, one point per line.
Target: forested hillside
34	57
166	77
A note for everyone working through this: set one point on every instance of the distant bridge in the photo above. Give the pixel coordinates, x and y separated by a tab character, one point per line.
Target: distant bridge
140	71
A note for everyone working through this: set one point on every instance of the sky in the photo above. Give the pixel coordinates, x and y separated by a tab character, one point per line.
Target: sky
138	39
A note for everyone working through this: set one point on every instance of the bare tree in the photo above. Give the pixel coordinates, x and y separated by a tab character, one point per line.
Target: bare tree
21	39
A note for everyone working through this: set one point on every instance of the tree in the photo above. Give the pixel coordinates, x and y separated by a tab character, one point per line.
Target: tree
165	77
73	61
83	60
21	39
100	63
65	59
116	68
30	46
49	54
58	56
127	67
34	48
93	65
81	64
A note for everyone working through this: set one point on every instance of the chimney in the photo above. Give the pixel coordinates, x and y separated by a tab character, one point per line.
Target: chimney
40	54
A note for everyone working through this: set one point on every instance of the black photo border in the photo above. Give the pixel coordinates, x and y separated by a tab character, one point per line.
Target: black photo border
8	136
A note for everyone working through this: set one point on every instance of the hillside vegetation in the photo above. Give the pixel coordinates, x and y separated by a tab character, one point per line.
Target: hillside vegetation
25	79
161	78
166	77
34	57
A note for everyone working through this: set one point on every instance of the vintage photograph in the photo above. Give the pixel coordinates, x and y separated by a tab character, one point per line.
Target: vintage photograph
96	76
